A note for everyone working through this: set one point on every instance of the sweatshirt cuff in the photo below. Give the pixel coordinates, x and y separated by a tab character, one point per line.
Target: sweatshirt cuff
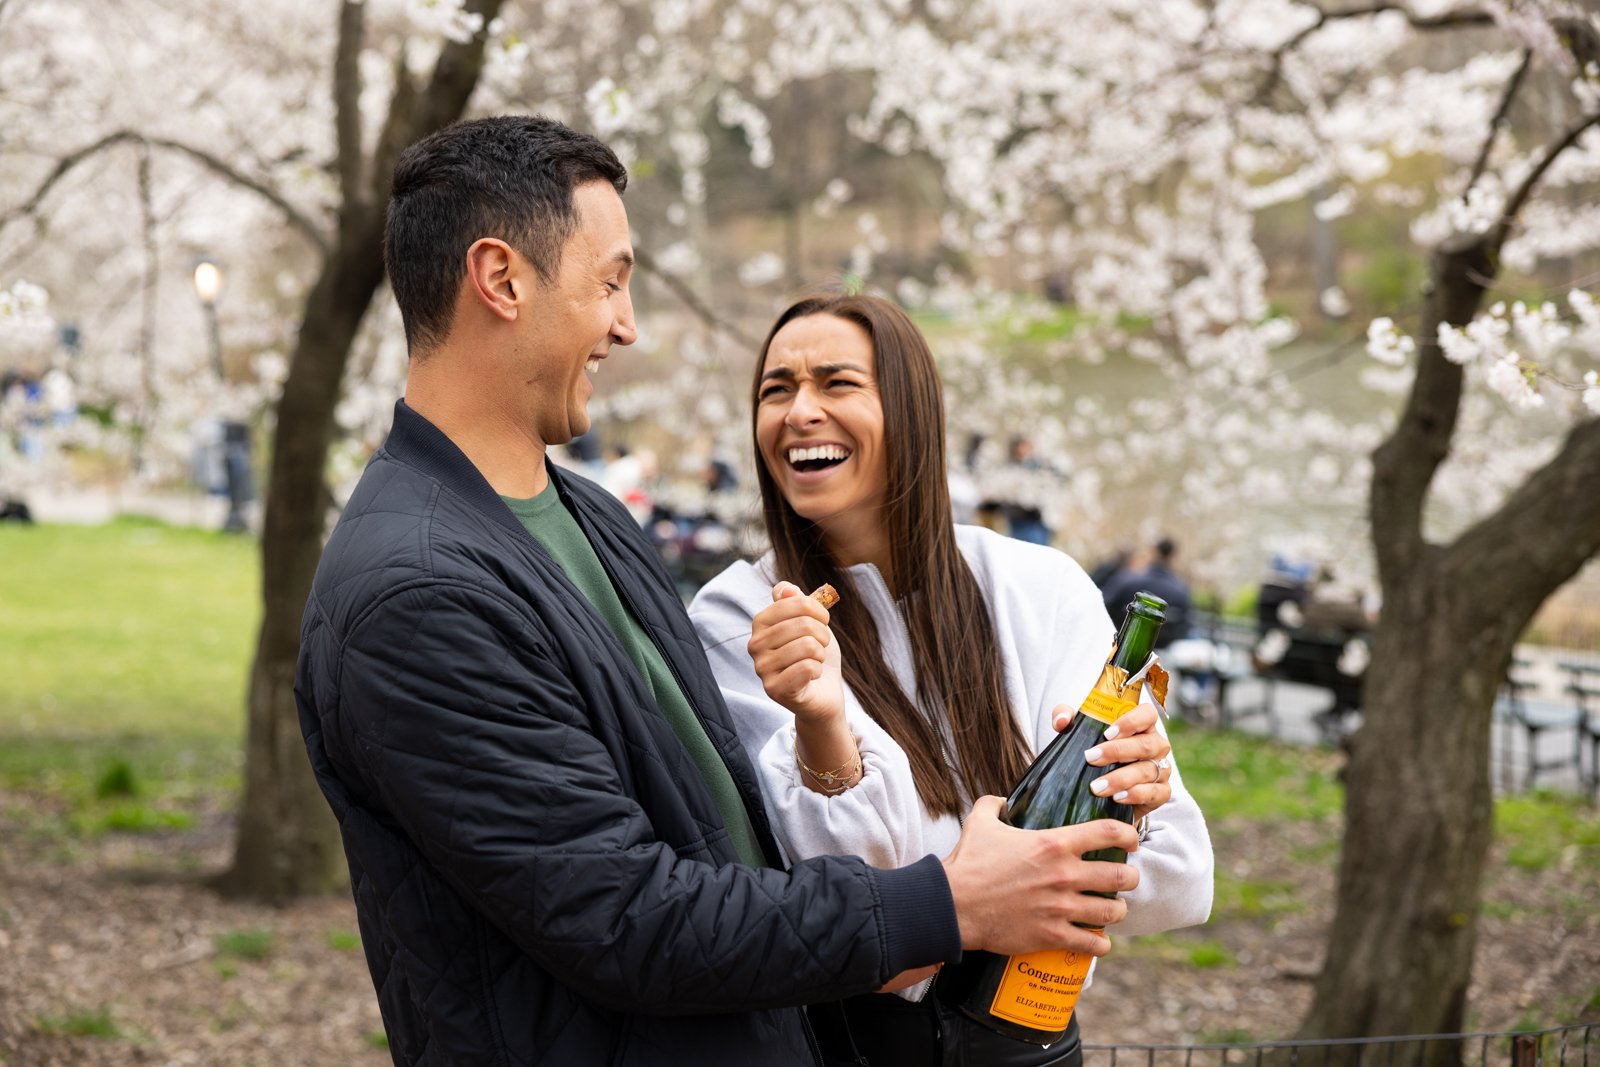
919	915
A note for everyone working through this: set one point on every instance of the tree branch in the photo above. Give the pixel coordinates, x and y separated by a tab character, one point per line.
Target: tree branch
455	75
1515	202
416	112
309	229
347	98
1499	119
1403	467
687	297
1541	534
1446	21
67	163
392	139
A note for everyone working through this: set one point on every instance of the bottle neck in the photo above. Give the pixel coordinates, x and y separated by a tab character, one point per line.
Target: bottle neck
1135	641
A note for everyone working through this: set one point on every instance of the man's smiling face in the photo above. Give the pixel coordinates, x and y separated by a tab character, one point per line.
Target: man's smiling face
572	322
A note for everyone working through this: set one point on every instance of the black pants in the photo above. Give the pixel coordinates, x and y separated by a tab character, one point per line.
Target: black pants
881	1030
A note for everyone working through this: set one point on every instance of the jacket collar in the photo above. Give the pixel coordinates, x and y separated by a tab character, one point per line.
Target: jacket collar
416	441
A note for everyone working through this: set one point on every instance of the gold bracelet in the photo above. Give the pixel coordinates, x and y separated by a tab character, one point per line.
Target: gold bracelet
837	780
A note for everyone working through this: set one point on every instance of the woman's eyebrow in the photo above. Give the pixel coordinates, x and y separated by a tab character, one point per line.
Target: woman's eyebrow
820	369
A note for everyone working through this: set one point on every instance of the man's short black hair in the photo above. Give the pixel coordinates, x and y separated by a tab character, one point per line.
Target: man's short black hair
1166	548
509	177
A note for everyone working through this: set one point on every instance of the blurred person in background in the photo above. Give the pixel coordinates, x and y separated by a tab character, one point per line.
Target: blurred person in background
1024	513
1157	577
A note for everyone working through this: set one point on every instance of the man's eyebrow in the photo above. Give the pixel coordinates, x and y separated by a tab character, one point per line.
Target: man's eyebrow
622	259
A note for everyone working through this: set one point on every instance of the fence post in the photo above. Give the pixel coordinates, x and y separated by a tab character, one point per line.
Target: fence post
1524	1050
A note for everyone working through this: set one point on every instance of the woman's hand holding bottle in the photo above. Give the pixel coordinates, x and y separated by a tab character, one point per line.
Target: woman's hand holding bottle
1139	751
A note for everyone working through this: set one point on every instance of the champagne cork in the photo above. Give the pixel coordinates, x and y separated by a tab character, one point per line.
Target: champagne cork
825	595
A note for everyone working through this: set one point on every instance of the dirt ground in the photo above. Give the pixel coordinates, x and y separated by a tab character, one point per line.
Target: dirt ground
112	951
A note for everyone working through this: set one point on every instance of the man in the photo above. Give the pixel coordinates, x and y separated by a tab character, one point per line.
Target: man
1157	578
557	848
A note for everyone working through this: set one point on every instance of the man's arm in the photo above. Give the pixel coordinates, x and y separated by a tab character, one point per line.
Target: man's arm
494	770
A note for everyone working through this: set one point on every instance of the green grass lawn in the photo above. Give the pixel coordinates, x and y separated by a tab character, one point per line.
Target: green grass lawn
128	644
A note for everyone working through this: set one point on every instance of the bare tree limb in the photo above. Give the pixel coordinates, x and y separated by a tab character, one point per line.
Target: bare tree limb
455	75
688	298
1516	538
309	229
1515	202
149	290
347	98
216	164
393	138
1448	20
416	111
1499	119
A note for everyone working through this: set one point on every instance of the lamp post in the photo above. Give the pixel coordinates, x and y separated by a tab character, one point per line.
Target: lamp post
235	434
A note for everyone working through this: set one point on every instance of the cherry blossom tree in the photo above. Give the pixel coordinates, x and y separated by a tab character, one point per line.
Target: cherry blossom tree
347	90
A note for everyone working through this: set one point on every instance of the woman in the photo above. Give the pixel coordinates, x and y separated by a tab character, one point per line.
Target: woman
953	657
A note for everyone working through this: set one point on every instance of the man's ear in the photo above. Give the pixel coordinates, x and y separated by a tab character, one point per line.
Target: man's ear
492	269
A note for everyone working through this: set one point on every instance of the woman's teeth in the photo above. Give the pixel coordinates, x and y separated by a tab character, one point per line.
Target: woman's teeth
818	452
592	366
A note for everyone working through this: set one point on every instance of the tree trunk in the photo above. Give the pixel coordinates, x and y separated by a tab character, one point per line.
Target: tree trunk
1418	816
288	843
1418	803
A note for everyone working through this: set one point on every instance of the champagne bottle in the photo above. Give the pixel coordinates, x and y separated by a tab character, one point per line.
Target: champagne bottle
1031	997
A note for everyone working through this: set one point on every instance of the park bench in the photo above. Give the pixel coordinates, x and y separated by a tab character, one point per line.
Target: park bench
1584	688
1324	660
1519	709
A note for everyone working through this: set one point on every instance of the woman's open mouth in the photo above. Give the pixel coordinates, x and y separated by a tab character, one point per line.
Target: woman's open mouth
817	457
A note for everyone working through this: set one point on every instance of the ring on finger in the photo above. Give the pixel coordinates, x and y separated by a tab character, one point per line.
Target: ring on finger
1161	765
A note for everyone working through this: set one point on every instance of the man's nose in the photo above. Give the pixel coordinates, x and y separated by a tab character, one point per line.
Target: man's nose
623	329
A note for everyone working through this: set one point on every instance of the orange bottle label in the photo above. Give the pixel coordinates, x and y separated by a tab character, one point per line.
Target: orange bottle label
1041	989
1106	706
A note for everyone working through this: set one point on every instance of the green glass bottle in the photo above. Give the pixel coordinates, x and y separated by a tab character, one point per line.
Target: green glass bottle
1031	997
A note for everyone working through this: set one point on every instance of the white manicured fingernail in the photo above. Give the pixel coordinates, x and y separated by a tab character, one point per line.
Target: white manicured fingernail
1111	732
1092	755
1121	796
1098	786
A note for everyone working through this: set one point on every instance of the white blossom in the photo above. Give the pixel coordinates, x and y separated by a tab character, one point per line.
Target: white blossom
1386	344
1507	378
764	268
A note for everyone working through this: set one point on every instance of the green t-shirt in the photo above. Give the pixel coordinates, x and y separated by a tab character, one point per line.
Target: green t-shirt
553	526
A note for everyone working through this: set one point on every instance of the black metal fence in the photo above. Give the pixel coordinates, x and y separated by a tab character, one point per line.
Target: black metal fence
1576	1045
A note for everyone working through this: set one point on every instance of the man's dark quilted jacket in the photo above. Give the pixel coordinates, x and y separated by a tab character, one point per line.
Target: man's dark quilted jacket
540	872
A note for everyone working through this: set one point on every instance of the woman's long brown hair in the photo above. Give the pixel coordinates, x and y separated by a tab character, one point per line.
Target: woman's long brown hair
955	653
